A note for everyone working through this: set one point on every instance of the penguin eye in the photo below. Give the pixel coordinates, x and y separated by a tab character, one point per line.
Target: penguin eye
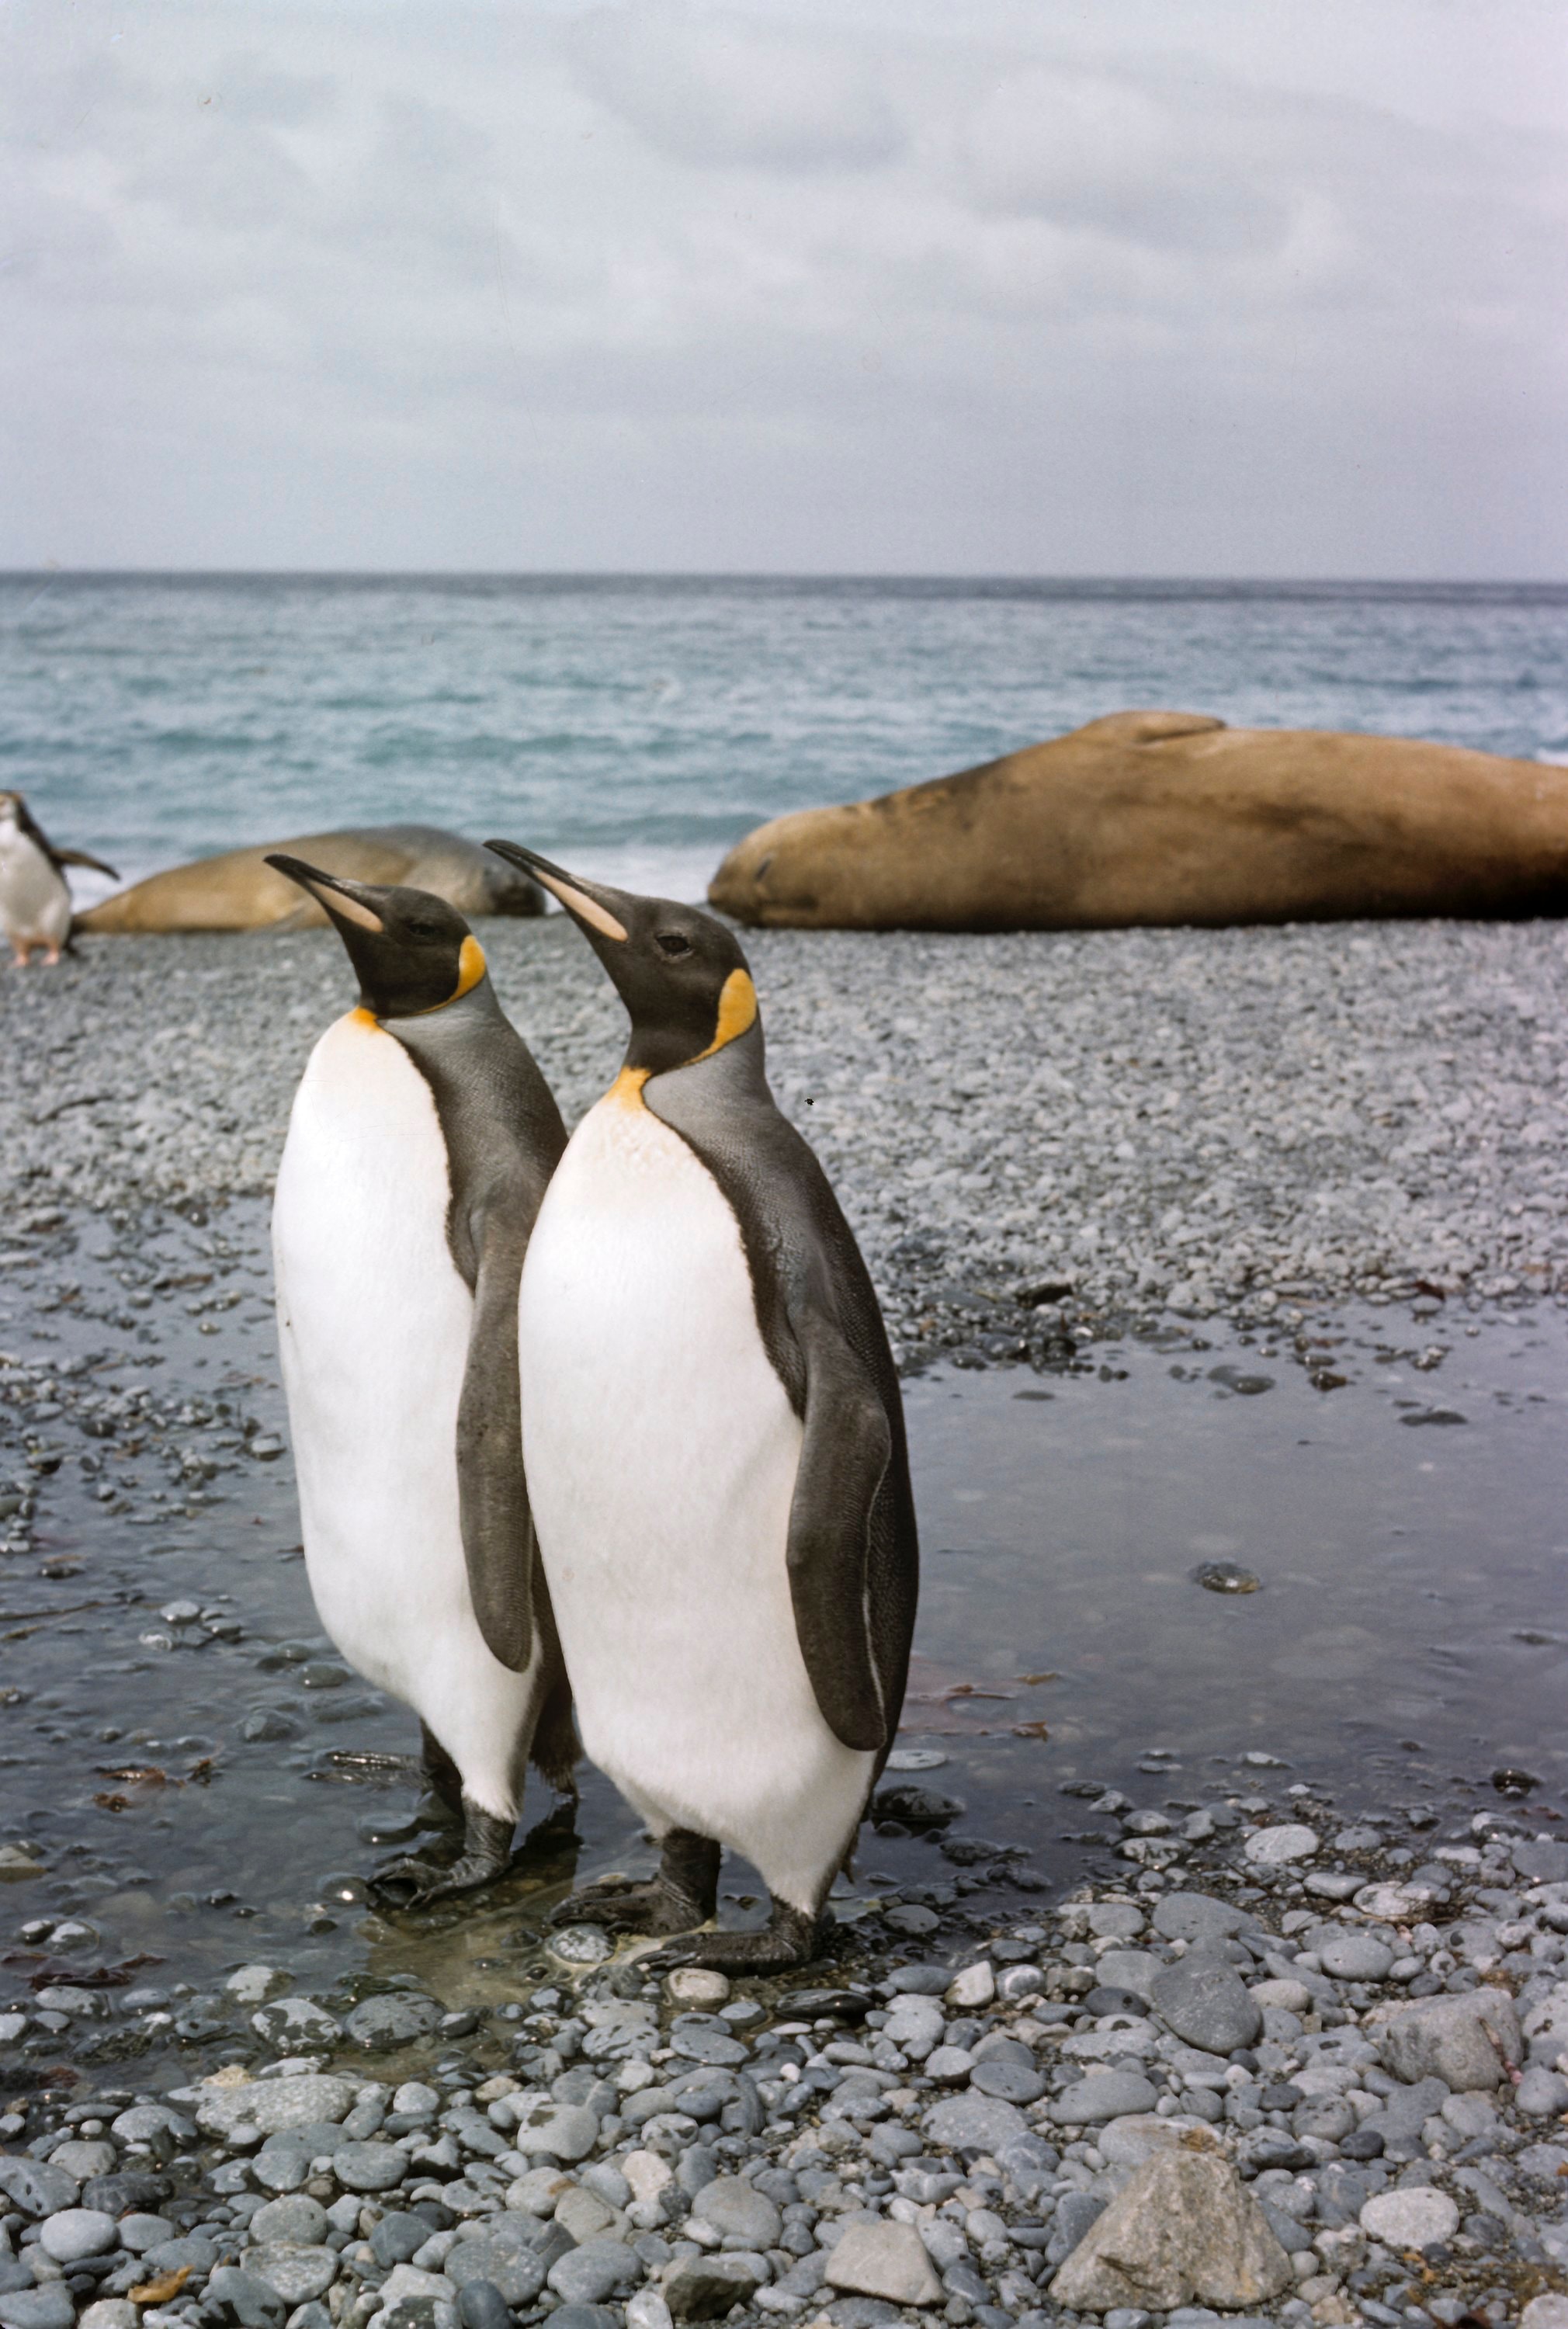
670	944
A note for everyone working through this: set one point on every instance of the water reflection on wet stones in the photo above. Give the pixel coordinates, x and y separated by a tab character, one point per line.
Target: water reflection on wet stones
1226	1577
1078	1513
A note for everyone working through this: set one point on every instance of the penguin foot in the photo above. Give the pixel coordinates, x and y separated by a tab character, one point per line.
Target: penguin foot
683	1894
622	1906
486	1854
791	1936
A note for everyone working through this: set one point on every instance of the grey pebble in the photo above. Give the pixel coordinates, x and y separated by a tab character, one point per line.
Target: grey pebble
49	2307
77	2232
1109	2094
381	2024
598	2269
1205	2002
235	2295
481	2305
369	2166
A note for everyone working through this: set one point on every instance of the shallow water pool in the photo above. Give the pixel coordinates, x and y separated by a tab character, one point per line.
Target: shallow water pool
1406	1639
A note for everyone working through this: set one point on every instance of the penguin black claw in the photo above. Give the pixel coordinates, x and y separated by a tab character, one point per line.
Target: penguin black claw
486	1854
681	1895
621	1906
790	1937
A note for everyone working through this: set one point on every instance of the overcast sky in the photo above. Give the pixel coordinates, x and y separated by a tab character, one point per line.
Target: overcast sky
1051	287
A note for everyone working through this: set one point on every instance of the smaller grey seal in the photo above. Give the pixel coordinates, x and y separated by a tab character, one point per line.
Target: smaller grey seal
243	889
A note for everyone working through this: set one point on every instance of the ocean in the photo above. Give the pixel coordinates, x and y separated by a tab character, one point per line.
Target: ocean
633	727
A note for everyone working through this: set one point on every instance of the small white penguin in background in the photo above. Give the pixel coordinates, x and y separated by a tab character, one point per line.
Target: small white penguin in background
715	1445
34	899
420	1142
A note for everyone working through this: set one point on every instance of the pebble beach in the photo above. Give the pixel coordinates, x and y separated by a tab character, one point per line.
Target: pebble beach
1203	1120
1282	2069
1283	2056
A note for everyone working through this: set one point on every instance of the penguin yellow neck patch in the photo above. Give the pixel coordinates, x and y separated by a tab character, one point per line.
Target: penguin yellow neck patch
737	1011
626	1091
360	1017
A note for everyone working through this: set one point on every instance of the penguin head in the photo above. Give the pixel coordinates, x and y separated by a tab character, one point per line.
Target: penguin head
412	951
680	973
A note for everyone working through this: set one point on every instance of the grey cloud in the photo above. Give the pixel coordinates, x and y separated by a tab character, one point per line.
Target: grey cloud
738	94
471	285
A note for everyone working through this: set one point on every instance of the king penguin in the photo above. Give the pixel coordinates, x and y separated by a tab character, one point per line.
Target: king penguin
420	1142
716	1452
34	899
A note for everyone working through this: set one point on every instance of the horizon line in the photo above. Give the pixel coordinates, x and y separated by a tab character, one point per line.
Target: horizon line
52	572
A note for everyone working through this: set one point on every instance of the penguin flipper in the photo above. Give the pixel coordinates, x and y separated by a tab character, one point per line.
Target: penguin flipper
838	1513
83	857
498	1539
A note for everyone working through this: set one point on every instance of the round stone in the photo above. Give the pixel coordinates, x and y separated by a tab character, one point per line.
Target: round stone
297	2272
1416	2219
1009	2081
695	1986
982	2122
580	1945
369	2166
736	2209
481	2305
297	2218
49	2307
1274	1847
77	2232
1190	1917
379	2023
590	2273
1108	2095
1354	1957
289	2023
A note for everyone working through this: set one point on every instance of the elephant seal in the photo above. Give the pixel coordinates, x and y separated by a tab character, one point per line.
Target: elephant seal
1170	817
240	891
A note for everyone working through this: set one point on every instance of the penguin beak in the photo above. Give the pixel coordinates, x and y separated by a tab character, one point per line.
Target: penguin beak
587	902
348	901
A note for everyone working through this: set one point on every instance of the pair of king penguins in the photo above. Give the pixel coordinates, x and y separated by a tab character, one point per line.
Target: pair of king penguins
620	1409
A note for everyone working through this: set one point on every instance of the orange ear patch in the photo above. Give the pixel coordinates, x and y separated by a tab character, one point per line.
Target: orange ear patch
737	1011
471	967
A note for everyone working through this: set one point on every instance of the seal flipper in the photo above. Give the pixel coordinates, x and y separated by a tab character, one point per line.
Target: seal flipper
498	1538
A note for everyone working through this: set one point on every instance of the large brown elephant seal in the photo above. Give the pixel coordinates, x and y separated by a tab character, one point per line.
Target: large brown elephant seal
1170	817
240	891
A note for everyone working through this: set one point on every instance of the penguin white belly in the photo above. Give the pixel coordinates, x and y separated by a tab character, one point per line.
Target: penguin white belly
662	1454
35	900
373	1325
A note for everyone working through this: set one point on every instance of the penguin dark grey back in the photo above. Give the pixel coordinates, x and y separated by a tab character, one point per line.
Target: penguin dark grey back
420	1143
693	1277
